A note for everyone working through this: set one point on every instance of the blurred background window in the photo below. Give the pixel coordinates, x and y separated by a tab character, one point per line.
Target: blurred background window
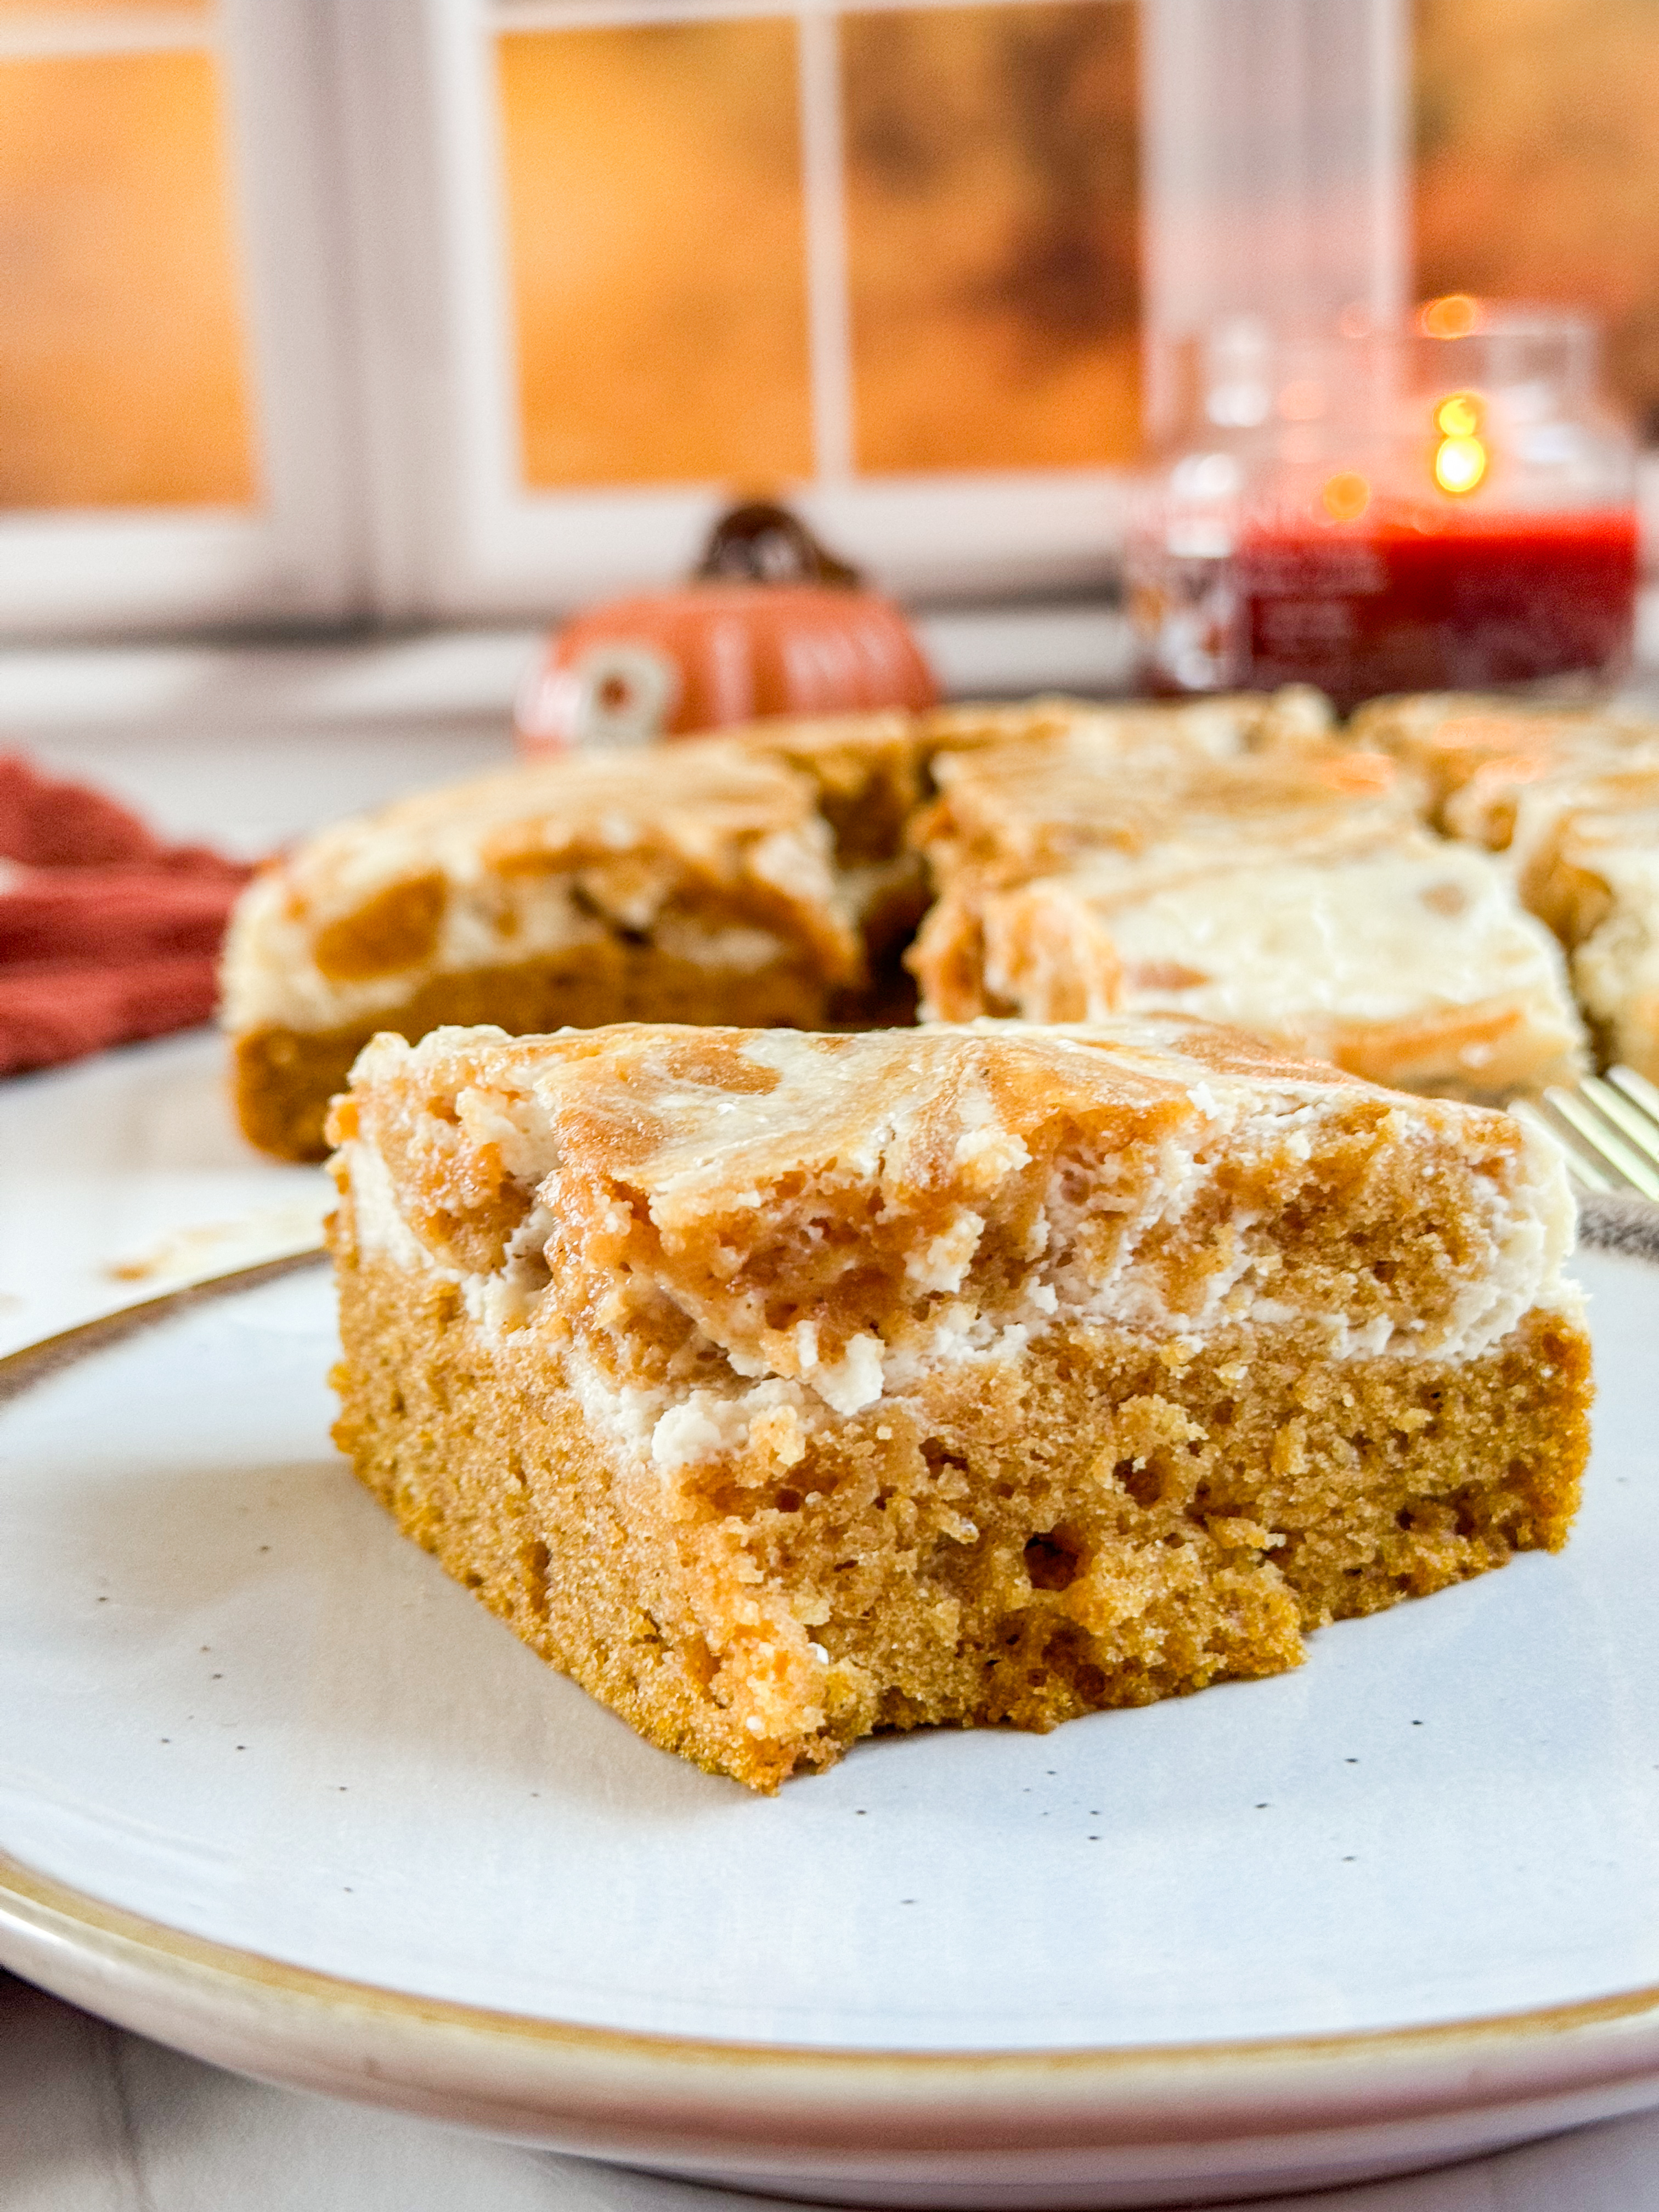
885	263
123	376
657	231
957	185
1537	165
422	309
993	215
173	440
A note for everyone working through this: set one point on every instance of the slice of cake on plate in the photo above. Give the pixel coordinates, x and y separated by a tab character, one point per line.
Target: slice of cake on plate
758	876
1294	720
785	1388
698	886
1446	738
1020	810
1301	902
874	772
1582	838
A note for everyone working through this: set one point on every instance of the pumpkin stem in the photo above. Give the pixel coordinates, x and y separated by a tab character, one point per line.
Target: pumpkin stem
761	543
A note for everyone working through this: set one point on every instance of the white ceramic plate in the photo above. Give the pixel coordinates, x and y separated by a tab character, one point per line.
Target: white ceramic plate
273	1788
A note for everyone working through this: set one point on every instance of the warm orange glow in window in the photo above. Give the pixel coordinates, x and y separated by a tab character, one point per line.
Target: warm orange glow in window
123	378
102	7
993	233
1460	464
1453	316
1301	400
1459	416
1347	495
657	249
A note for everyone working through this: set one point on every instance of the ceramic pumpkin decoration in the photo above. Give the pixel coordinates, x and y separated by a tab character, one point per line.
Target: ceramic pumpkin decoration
769	623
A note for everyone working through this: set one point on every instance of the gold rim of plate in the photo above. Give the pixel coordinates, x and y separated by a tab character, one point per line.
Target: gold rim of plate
39	1905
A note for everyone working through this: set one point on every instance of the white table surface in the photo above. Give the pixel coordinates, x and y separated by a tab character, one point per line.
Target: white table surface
255	749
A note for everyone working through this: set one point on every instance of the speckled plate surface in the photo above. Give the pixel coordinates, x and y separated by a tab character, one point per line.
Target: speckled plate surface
275	1790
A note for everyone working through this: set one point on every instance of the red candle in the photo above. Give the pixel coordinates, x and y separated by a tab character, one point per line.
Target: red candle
1461	602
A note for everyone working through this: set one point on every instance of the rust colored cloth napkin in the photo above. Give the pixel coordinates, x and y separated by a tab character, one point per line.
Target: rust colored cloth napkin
106	934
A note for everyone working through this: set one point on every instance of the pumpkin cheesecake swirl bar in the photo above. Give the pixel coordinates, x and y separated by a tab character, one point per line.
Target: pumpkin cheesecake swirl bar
1299	899
784	1388
695	886
759	877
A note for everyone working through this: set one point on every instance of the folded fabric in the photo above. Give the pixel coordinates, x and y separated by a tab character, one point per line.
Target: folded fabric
55	1009
106	934
112	915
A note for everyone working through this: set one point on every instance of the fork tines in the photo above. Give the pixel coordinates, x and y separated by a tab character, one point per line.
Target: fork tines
1608	1126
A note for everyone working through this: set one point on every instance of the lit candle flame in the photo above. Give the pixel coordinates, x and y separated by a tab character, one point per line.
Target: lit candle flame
1459	460
1460	464
1459	414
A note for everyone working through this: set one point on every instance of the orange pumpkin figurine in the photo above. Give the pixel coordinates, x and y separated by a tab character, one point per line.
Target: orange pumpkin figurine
769	623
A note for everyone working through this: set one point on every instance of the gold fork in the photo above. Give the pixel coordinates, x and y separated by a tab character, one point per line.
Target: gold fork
1608	1128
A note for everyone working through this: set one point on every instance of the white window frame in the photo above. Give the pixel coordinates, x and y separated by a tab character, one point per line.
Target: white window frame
367	167
1307	90
460	535
296	556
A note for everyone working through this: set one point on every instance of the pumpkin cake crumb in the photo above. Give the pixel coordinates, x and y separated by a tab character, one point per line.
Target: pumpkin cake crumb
785	1388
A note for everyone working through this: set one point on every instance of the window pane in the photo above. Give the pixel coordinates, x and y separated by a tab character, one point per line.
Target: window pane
104	7
992	179
121	371
656	249
1538	164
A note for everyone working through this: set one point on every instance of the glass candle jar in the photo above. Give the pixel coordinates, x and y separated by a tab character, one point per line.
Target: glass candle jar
1452	507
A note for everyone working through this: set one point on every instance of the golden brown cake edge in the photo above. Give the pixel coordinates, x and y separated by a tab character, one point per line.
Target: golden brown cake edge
1149	1566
